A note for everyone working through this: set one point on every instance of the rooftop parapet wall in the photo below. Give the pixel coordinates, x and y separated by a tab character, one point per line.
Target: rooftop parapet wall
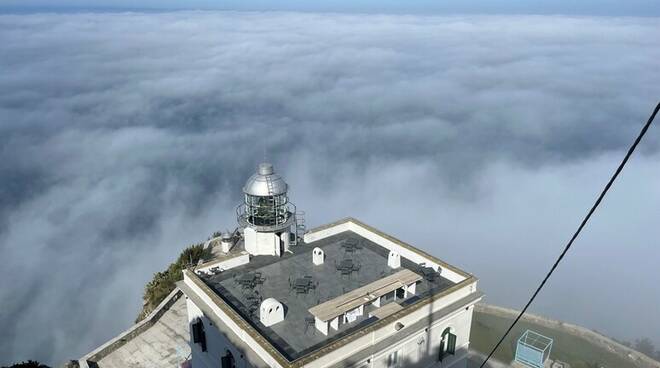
104	350
386	241
225	263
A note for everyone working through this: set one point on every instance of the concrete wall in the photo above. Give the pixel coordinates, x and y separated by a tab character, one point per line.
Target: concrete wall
422	348
314	235
250	240
217	344
459	320
226	264
261	243
417	349
230	323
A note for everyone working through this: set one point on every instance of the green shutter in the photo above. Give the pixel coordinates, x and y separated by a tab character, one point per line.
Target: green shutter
451	344
197	331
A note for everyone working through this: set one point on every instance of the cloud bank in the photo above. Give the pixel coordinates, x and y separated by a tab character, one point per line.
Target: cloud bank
124	137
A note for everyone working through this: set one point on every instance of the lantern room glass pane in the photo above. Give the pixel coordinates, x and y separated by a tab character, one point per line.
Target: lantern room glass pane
266	210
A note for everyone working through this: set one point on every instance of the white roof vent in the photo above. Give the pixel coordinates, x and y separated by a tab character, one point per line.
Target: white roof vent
318	256
226	242
271	312
394	260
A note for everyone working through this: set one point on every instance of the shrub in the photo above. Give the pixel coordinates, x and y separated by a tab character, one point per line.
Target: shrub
28	364
164	282
645	345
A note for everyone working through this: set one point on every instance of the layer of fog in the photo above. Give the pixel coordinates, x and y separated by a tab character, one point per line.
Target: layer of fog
124	137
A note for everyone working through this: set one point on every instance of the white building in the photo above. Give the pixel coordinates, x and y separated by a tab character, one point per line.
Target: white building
340	295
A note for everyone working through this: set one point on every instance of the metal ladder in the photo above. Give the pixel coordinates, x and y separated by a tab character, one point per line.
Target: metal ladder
269	184
300	224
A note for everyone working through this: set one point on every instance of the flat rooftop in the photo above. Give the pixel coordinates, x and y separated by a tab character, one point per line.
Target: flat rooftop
160	340
295	336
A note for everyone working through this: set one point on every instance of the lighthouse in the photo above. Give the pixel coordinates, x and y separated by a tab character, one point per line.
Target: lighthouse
266	217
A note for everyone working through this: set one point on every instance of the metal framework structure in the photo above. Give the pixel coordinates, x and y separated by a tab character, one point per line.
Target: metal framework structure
266	206
533	349
265	214
267	211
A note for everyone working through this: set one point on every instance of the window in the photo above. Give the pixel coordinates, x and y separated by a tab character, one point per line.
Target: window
227	361
393	360
199	337
447	344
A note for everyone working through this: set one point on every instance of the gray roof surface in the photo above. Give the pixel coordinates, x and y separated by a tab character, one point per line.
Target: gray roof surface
165	344
293	337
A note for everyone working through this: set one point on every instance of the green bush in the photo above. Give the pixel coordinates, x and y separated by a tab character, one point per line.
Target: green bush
28	364
164	282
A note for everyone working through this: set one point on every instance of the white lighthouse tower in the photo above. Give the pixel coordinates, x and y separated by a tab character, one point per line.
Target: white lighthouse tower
266	216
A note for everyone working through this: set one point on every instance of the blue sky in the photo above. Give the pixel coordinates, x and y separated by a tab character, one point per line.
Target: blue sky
582	7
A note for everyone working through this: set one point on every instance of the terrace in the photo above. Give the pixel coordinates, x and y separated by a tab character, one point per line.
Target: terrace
353	267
